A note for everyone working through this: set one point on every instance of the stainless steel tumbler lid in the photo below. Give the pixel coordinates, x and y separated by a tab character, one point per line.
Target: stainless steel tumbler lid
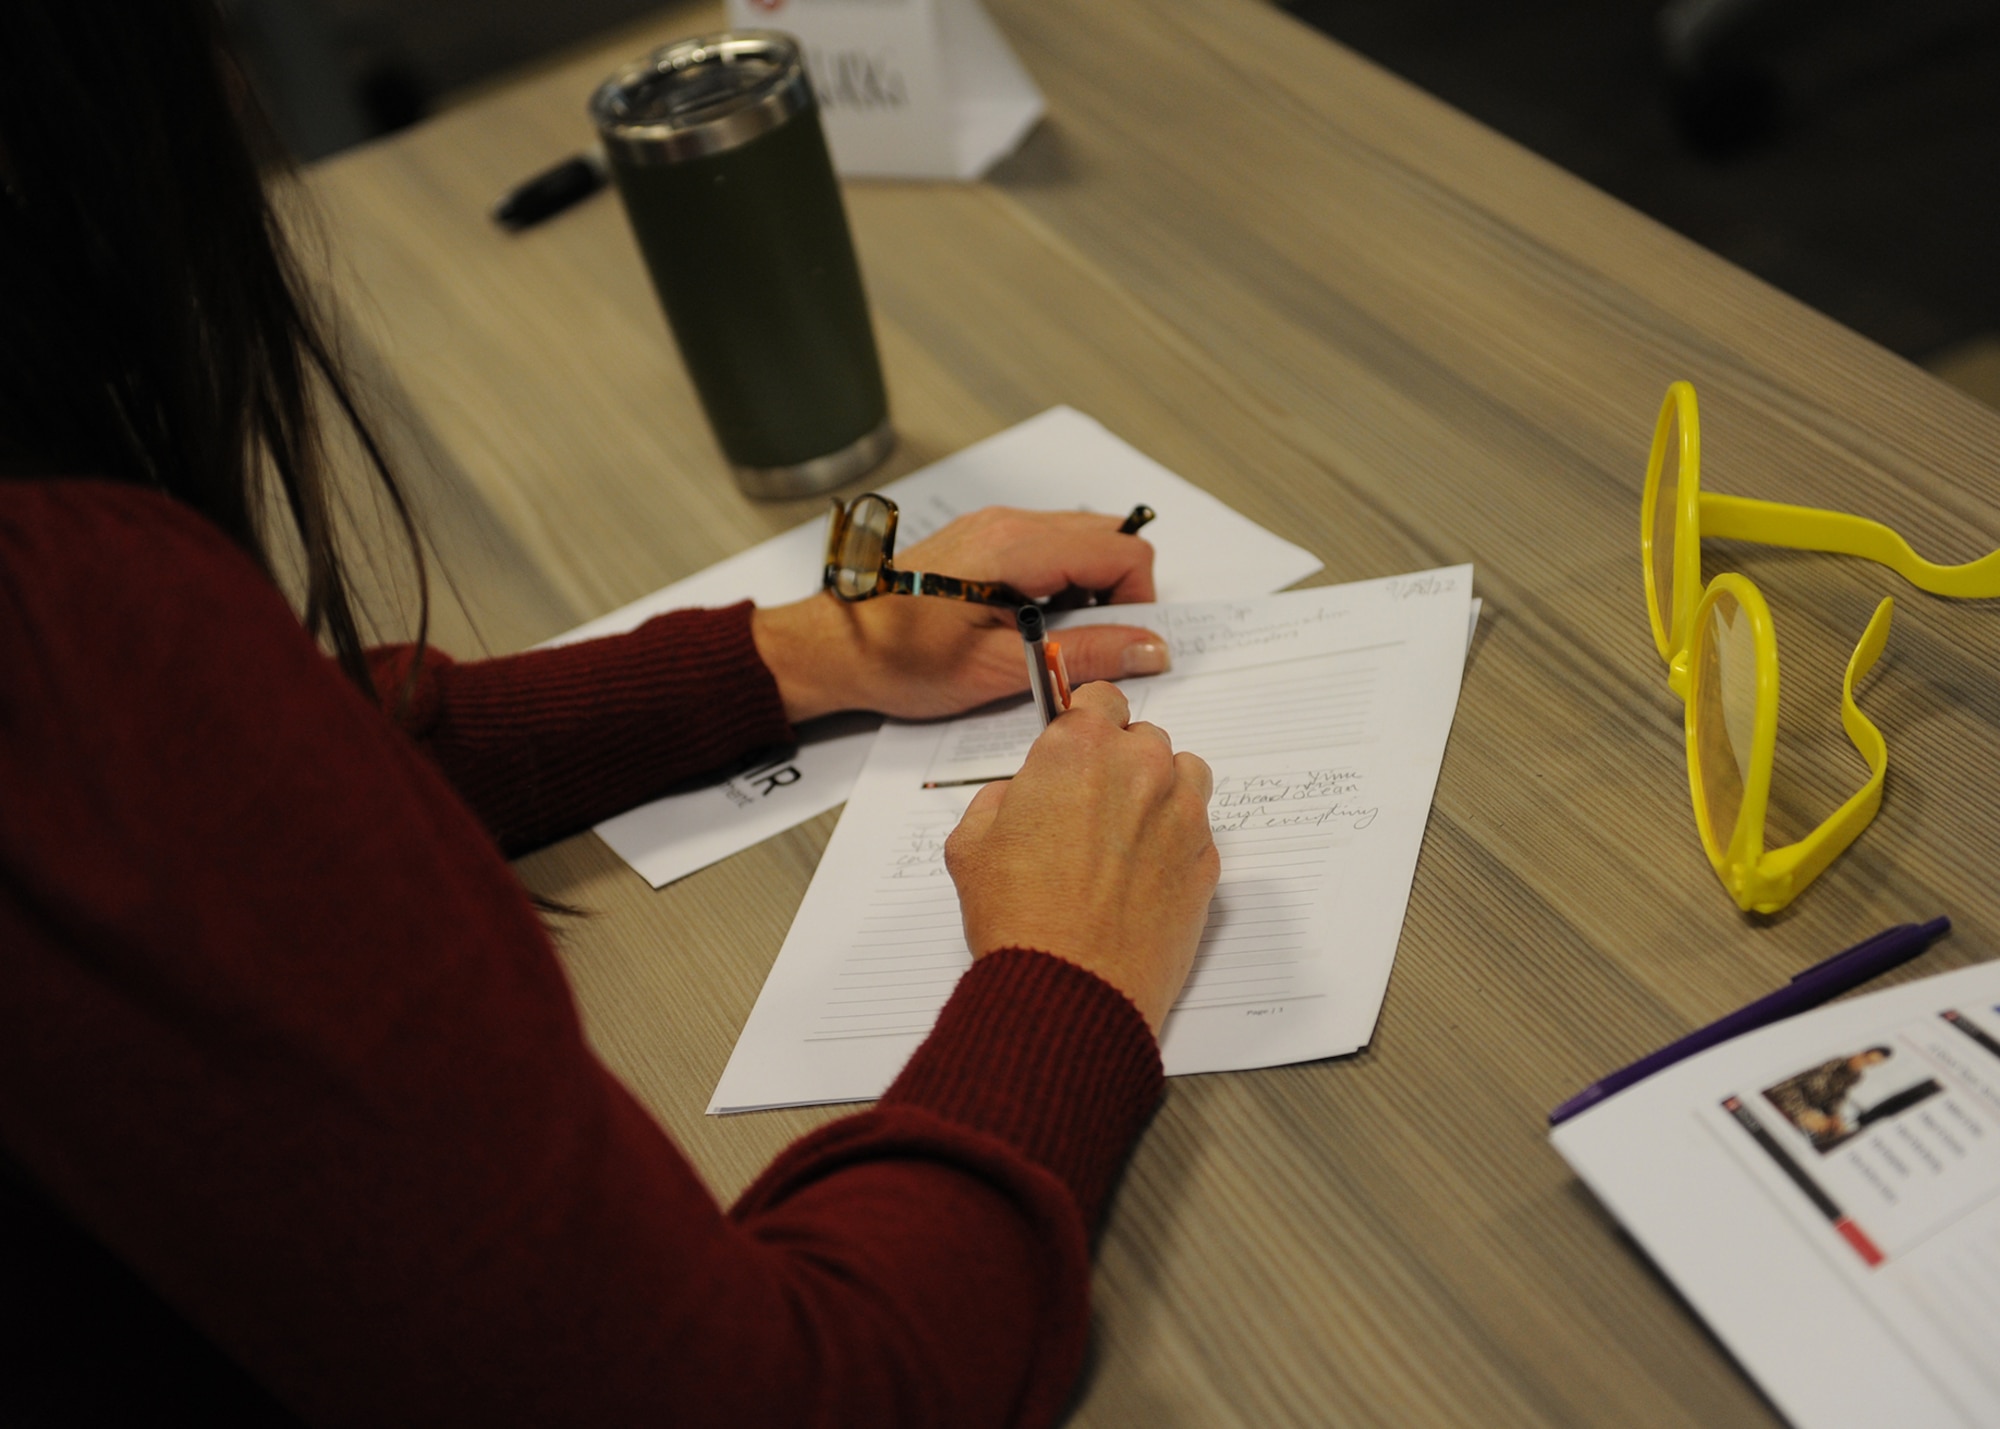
697	97
820	475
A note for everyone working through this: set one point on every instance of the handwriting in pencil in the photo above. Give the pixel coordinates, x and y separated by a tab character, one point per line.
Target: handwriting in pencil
1312	798
1405	587
1218	627
917	854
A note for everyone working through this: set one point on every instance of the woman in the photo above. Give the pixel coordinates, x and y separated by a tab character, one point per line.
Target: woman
296	1120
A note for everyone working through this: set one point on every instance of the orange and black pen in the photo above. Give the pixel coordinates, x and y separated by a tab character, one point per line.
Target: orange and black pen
1048	679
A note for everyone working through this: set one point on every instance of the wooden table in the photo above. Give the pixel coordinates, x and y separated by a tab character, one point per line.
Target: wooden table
1393	336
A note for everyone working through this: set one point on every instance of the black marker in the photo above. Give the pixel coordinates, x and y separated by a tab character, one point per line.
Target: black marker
550	192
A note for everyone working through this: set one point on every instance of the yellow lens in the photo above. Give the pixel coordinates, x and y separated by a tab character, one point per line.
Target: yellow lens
1724	708
858	563
1666	514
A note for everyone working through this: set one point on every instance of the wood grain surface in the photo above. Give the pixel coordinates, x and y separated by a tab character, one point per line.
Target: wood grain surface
1396	338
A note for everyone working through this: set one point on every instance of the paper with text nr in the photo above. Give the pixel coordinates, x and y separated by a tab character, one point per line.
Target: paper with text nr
1060	460
1323	714
1825	1191
913	89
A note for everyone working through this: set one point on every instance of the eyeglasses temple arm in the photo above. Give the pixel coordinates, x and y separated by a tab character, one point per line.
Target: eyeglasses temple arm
952	588
836	529
1802	862
1804	528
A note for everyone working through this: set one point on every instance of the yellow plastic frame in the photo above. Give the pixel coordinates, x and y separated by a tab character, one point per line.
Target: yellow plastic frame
1760	881
1769	523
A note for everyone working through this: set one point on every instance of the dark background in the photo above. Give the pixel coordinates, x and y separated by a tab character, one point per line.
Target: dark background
1847	151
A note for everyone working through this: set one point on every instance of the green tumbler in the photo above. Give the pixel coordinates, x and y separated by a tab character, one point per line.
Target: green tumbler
717	151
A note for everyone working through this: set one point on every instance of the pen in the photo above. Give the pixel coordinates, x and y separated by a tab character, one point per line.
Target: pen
1140	515
1048	680
1821	982
551	191
1070	597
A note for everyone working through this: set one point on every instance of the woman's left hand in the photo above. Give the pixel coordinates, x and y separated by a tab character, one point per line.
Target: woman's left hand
925	656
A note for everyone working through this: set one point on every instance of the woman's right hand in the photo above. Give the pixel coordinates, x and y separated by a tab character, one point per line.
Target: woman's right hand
1098	851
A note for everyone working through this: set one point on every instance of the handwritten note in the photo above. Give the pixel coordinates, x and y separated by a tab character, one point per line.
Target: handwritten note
1273	831
1323	714
1310	798
1237	634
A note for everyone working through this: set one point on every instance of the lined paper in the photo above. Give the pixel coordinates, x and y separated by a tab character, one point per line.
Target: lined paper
1323	714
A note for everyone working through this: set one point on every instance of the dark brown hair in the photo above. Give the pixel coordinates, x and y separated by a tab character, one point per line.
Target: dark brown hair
154	327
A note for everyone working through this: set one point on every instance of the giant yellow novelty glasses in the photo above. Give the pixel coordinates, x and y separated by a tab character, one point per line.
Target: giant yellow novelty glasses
1722	655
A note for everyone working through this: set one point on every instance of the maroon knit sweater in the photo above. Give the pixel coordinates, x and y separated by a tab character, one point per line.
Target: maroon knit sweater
291	1083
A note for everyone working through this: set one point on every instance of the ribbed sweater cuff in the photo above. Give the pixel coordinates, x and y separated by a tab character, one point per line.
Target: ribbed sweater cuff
550	741
1052	1059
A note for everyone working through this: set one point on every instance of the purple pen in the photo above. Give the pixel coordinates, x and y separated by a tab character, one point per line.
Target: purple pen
1822	982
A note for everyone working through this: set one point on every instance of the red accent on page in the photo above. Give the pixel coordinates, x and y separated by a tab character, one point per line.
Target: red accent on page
1858	1238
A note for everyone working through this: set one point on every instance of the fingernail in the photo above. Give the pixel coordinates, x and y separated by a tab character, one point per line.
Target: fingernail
1148	657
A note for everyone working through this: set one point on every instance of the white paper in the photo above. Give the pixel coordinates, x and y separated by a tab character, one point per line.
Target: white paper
924	89
1060	460
993	102
1878	1302
1323	714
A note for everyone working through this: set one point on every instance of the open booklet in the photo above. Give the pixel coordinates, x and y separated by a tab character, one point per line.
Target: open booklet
1323	714
1826	1193
1060	460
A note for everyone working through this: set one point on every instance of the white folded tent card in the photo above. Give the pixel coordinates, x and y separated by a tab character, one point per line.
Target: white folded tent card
912	89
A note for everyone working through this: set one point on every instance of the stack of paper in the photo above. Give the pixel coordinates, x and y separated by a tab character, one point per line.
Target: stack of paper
1323	714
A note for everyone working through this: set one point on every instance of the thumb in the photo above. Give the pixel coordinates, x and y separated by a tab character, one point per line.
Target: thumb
1112	652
